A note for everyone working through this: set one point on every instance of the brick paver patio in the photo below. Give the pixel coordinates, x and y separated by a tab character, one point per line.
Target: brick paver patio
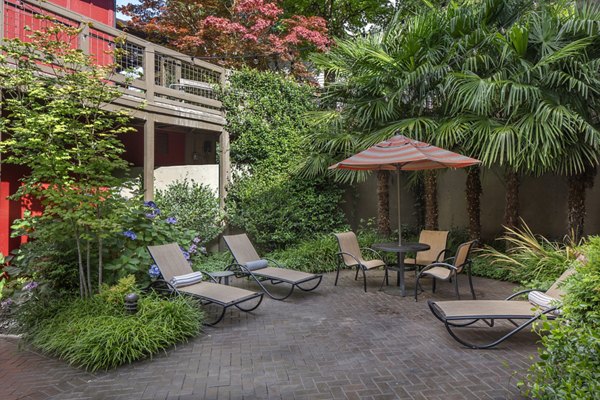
334	343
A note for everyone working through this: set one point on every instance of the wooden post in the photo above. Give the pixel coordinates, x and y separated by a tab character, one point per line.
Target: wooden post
149	72
224	168
149	158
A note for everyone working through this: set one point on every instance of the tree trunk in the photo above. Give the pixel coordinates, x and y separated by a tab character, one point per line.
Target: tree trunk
431	204
511	210
418	190
383	203
576	201
473	194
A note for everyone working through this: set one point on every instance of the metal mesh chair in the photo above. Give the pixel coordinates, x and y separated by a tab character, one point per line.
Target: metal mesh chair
350	255
249	263
170	261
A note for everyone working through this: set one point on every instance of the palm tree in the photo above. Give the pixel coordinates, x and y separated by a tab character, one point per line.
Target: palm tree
528	99
387	84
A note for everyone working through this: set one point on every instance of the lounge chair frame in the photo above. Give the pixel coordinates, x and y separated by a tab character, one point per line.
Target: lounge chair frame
240	271
358	264
455	270
165	287
463	321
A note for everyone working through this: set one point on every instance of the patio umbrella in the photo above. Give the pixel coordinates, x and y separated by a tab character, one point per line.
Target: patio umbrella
401	153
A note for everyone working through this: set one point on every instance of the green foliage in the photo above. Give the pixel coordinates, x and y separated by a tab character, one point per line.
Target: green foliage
60	129
265	116
106	336
318	255
569	366
145	225
531	260
195	207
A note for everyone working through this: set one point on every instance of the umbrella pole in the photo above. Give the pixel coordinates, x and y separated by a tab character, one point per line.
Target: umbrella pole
399	220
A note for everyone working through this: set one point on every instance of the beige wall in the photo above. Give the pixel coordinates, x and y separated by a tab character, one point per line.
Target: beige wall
543	203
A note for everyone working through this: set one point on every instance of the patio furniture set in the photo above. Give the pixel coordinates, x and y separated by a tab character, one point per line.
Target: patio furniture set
178	278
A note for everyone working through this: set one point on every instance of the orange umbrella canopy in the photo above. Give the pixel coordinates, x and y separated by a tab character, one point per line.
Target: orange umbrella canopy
402	153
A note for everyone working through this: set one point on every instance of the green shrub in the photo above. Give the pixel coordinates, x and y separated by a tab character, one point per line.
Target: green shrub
96	334
195	206
569	366
266	115
531	260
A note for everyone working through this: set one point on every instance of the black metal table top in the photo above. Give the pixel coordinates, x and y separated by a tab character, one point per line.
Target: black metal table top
394	247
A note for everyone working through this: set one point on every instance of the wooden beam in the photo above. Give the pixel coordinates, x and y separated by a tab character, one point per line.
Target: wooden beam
149	158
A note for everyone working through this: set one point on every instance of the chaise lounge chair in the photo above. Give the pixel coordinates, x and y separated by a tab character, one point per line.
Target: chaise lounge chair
463	313
178	278
248	263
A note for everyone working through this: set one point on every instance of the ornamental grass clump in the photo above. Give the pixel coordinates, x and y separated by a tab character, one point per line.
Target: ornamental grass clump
97	334
531	260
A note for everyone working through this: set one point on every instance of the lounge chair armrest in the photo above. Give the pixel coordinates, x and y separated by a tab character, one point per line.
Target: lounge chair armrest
512	296
274	262
342	253
443	252
377	254
438	264
206	273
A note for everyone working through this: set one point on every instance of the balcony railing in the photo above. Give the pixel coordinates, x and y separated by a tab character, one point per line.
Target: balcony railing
146	72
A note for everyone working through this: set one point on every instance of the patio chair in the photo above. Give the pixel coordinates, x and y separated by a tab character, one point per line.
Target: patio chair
178	278
249	263
449	269
350	255
463	313
437	249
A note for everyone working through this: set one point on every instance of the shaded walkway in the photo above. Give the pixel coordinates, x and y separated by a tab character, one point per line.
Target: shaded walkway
335	343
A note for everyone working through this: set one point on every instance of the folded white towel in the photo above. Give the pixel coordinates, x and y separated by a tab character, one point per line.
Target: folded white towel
187	279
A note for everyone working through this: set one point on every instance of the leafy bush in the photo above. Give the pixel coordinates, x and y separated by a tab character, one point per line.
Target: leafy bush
265	116
106	336
145	224
570	359
195	207
531	260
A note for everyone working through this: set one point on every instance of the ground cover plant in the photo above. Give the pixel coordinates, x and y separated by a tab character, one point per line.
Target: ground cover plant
106	336
569	365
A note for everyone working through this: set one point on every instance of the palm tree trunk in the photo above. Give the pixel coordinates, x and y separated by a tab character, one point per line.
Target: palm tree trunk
511	210
431	204
418	191
383	203
473	194
578	184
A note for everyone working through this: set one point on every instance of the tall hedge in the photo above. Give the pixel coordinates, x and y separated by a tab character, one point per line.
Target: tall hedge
265	118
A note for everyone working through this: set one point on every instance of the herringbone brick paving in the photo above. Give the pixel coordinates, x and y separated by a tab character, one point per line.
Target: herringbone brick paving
334	343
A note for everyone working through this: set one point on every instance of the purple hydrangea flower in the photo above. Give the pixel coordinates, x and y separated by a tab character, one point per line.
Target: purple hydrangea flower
5	305
150	204
30	286
193	248
203	250
130	234
154	272
150	215
196	240
171	220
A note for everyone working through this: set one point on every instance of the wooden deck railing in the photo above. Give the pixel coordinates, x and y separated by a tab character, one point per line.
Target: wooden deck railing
146	72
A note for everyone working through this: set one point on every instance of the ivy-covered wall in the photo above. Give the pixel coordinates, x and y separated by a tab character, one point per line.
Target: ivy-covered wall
265	118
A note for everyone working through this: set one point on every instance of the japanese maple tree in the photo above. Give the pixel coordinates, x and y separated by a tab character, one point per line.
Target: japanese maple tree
231	33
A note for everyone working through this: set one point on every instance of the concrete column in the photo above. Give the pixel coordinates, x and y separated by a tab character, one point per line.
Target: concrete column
83	38
149	158
224	167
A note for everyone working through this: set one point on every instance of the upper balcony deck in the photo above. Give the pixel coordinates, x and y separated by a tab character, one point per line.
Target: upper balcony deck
175	88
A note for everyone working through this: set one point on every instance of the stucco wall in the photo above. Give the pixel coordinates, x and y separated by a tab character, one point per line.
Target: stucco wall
543	203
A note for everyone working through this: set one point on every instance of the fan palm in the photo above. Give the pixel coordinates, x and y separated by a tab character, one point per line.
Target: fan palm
386	84
528	100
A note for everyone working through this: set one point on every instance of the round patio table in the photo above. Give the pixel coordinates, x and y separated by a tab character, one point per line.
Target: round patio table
400	250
